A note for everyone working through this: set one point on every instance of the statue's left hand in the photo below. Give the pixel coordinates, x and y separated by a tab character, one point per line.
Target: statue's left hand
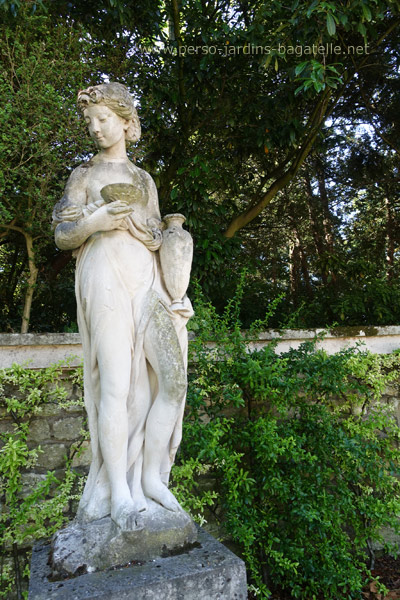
157	234
155	226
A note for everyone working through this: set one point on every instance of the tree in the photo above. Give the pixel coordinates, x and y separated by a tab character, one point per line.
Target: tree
234	138
41	68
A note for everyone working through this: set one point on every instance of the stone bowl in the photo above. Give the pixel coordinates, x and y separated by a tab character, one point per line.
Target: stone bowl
124	192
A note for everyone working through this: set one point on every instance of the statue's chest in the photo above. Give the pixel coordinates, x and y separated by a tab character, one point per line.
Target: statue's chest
105	173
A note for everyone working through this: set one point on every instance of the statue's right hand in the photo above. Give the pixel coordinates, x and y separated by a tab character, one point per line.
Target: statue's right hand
111	216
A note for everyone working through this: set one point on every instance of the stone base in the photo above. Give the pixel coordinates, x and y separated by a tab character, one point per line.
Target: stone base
208	571
99	545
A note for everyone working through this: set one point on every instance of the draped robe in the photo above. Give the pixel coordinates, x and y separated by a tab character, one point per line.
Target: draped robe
118	286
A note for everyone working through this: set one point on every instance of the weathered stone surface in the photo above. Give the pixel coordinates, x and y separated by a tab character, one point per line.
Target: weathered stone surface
84	457
51	409
4	413
98	545
67	428
39	339
29	482
76	396
208	571
391	390
7	426
52	456
389	537
39	430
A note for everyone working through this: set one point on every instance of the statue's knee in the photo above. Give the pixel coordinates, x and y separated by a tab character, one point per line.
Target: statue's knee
176	388
182	387
115	392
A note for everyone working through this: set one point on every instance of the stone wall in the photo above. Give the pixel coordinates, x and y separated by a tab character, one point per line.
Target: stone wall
57	430
41	350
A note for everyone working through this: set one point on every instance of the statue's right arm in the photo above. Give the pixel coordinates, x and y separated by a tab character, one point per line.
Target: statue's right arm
71	230
70	234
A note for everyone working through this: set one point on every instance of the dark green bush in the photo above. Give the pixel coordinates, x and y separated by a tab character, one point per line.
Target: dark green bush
304	453
27	516
301	450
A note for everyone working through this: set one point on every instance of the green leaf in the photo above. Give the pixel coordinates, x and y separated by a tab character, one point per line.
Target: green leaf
366	12
361	29
301	67
312	7
330	24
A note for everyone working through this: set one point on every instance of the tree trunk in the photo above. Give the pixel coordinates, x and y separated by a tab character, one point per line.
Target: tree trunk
327	218
294	270
313	126
305	271
315	227
299	263
33	273
389	240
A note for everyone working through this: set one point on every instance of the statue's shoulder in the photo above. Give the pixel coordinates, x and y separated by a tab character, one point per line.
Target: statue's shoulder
142	172
84	167
75	191
145	177
80	173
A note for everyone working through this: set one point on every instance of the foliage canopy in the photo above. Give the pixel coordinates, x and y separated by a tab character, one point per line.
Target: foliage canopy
273	128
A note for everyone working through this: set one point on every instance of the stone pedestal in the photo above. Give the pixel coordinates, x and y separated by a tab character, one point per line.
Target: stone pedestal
99	545
208	571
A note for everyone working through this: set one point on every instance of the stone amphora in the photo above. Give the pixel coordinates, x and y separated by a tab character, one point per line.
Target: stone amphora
176	255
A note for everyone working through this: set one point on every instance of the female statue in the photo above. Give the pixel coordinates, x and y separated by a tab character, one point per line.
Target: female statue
134	342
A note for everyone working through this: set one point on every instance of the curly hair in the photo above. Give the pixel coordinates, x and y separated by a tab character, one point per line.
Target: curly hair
118	99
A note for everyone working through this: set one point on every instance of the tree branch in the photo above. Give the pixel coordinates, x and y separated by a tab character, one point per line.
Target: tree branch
313	126
11	226
315	121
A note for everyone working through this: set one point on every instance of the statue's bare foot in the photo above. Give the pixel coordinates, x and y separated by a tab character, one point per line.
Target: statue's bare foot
155	489
139	501
126	516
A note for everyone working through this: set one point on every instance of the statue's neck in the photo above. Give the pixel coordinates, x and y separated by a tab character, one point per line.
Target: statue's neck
101	157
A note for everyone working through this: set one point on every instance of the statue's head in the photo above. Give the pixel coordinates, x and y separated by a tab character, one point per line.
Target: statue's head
118	99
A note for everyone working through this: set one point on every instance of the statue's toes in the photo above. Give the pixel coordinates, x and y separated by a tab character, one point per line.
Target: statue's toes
139	522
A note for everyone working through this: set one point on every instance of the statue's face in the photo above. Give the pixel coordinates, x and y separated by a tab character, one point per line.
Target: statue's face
105	127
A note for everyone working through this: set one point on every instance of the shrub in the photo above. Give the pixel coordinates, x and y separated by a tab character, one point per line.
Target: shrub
299	451
29	515
303	450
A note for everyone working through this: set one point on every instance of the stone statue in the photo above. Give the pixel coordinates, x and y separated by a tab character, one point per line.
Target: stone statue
133	330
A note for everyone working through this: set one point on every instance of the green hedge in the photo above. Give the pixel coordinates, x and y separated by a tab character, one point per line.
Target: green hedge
304	453
301	449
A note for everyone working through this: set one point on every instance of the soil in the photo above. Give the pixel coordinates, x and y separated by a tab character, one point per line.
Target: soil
387	571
